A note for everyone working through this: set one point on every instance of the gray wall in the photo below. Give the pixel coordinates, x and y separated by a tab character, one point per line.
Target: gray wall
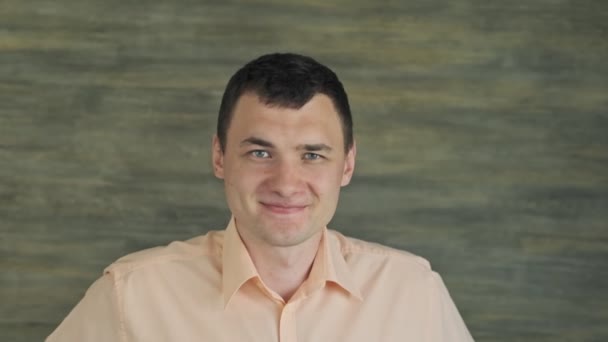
482	129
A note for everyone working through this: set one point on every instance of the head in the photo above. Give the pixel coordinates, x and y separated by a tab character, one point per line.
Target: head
285	80
284	148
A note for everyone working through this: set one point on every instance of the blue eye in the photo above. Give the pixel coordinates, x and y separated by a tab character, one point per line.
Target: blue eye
260	154
312	156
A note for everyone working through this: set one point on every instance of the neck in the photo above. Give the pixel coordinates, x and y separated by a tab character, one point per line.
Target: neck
284	269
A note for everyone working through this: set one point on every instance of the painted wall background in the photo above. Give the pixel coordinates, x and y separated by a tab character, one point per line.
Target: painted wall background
482	129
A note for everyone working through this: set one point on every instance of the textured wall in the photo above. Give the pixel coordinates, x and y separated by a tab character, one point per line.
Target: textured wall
482	129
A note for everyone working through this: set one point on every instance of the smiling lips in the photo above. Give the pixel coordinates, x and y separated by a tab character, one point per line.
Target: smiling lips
281	208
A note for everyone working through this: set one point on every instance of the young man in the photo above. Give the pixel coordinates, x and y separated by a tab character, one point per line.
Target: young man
284	147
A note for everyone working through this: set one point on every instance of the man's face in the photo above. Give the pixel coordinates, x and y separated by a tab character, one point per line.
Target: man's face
283	169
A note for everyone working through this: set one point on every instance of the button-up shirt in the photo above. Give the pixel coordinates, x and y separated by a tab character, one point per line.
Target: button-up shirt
208	289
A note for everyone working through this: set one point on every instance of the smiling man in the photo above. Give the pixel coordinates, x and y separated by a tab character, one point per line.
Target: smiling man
282	169
284	148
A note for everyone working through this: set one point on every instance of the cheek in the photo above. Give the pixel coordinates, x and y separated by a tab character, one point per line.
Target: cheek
241	193
246	181
325	182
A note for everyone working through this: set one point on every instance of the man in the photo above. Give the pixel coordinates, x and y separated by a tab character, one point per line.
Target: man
284	147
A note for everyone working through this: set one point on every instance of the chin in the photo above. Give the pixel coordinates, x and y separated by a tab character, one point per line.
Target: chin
287	233
288	241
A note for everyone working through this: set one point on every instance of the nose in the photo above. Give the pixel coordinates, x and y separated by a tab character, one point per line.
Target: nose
286	178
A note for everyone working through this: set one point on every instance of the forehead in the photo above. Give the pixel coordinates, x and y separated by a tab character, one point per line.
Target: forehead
318	116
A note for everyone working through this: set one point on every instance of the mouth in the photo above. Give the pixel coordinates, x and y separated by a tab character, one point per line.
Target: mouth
283	209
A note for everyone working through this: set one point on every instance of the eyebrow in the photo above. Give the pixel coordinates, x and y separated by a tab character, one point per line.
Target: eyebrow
315	147
257	141
266	143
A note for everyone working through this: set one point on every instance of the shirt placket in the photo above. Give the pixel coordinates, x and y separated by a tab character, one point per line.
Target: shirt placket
287	324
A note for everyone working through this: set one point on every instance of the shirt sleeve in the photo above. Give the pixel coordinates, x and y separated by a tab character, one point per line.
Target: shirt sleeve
95	318
451	326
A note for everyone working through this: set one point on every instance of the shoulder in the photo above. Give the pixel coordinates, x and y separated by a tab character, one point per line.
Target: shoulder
204	246
383	272
377	254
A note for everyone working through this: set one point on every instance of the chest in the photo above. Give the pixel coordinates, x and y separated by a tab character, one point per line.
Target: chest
252	316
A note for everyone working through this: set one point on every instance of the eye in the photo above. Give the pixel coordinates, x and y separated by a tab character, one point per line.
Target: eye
312	156
261	154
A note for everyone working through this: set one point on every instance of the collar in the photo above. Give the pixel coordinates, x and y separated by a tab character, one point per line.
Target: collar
329	265
237	266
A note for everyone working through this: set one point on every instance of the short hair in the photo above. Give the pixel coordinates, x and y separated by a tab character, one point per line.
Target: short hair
287	80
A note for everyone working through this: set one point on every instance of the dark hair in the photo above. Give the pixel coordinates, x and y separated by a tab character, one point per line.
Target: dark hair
287	80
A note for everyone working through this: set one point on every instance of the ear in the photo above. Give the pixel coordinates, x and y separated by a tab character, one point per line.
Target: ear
349	164
217	158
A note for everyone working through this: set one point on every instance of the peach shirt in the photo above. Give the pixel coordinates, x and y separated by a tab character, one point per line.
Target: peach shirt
207	289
